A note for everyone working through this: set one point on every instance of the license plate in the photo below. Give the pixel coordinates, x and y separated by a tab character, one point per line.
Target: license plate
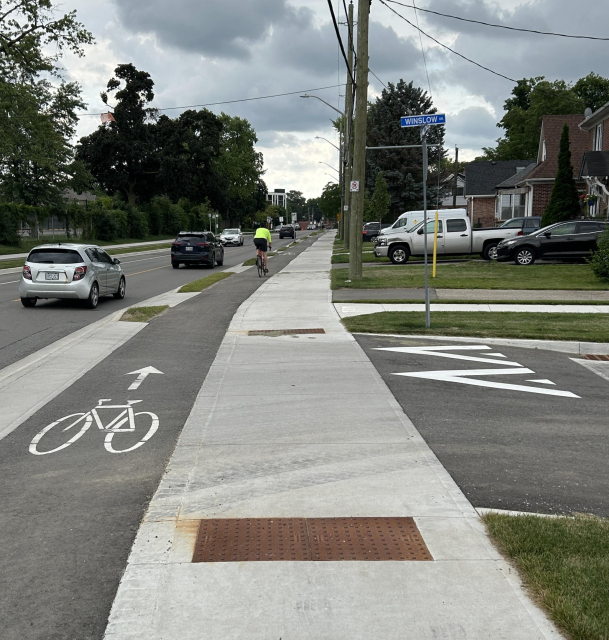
51	276
189	248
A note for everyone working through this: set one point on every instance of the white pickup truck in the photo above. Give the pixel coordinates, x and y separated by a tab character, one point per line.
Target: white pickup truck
454	237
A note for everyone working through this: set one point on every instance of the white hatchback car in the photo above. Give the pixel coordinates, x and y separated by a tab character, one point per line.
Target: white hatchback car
231	236
76	271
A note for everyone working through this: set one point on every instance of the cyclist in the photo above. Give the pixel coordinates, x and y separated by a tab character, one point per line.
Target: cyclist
262	240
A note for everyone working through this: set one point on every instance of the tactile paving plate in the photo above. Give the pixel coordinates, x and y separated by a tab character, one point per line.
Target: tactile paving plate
313	539
596	357
282	332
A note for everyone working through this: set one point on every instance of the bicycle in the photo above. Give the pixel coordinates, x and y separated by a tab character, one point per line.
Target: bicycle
114	427
260	264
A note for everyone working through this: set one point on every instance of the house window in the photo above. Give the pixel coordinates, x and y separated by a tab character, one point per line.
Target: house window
598	137
512	206
460	191
543	150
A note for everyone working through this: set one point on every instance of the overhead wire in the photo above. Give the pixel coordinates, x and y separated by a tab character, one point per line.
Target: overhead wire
340	41
499	26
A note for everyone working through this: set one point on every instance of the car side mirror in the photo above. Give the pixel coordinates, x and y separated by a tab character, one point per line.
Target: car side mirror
117	261
420	232
548	234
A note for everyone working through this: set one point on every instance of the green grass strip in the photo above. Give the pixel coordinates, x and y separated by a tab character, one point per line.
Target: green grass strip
564	563
11	264
149	247
485	324
594	303
475	275
198	285
250	262
142	314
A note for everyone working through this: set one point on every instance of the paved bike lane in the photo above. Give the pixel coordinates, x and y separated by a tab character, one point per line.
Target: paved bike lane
69	517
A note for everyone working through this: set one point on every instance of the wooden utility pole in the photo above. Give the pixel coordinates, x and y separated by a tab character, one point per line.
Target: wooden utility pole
356	221
456	177
346	214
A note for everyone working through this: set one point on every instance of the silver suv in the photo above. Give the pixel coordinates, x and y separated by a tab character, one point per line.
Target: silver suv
77	271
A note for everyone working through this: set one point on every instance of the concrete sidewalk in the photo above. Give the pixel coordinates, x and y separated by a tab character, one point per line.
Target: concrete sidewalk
303	426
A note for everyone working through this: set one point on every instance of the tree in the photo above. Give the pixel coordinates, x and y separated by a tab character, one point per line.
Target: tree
380	201
297	203
329	201
400	167
564	201
122	155
593	90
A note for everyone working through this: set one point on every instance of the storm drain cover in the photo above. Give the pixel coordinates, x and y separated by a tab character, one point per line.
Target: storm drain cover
313	539
594	357
282	332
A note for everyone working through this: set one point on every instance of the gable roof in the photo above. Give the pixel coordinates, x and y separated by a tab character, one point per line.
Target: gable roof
513	180
551	130
481	178
595	164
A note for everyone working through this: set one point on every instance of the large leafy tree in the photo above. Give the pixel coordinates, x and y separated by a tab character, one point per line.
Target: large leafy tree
533	98
298	203
401	168
38	108
122	155
564	201
329	201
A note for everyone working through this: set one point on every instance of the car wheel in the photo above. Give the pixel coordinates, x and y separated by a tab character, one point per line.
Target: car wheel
524	256
490	251
175	265
29	302
221	261
93	298
212	264
119	294
399	254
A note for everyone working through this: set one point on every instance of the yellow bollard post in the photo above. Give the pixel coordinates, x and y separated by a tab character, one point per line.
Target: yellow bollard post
435	245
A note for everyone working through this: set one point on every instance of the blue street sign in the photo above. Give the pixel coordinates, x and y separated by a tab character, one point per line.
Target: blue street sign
418	121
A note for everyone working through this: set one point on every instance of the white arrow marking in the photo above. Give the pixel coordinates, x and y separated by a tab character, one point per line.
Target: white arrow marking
143	374
461	376
437	351
542	382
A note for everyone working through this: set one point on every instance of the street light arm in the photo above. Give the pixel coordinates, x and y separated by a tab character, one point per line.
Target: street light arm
329	174
320	138
329	165
306	95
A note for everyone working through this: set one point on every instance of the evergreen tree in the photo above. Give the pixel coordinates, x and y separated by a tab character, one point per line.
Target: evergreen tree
381	200
564	201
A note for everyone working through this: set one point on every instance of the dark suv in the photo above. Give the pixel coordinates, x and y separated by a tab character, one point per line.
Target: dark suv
371	230
287	231
196	247
572	239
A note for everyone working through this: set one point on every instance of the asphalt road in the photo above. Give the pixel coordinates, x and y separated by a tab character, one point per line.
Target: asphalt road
24	331
69	518
508	448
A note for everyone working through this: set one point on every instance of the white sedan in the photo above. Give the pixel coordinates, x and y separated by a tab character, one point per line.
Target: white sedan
231	236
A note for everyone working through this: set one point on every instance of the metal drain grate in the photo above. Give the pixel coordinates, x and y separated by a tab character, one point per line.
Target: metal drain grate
282	332
313	539
595	357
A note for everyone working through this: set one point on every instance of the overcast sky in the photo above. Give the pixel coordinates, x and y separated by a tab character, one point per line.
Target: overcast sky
202	51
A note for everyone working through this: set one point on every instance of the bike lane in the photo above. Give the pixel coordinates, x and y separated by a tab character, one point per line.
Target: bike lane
69	517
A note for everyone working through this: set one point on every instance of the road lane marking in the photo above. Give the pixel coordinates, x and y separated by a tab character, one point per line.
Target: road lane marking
439	352
137	273
11	282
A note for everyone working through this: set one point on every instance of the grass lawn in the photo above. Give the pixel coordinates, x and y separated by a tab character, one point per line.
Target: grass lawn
594	303
142	314
564	563
29	243
203	283
485	324
475	275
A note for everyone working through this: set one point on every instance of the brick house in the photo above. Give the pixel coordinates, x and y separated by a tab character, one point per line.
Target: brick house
481	180
594	169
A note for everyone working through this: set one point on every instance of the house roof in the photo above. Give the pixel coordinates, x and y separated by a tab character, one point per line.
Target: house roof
481	178
513	180
551	130
595	164
598	116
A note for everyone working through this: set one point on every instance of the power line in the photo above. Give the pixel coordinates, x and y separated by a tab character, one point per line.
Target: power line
499	26
340	42
211	104
374	74
416	15
446	46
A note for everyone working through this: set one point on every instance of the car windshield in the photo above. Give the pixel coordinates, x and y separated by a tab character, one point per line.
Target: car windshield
541	231
416	226
229	232
55	256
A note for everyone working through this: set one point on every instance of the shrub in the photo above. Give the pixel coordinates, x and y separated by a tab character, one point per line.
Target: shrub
137	224
104	225
600	258
9	224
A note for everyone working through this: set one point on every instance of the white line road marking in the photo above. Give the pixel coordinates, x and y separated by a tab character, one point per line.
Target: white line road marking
11	282
496	355
461	376
143	374
542	382
600	368
438	351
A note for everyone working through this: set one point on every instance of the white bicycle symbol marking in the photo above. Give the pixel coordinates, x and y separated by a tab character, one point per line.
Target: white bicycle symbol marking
114	427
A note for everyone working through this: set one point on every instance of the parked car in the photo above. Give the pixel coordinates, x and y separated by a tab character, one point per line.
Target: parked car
526	225
371	230
409	219
196	247
277	229
287	231
231	236
310	227
455	236
573	239
72	271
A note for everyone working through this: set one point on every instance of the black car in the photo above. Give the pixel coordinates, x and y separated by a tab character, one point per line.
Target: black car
196	247
371	230
526	225
572	239
287	231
